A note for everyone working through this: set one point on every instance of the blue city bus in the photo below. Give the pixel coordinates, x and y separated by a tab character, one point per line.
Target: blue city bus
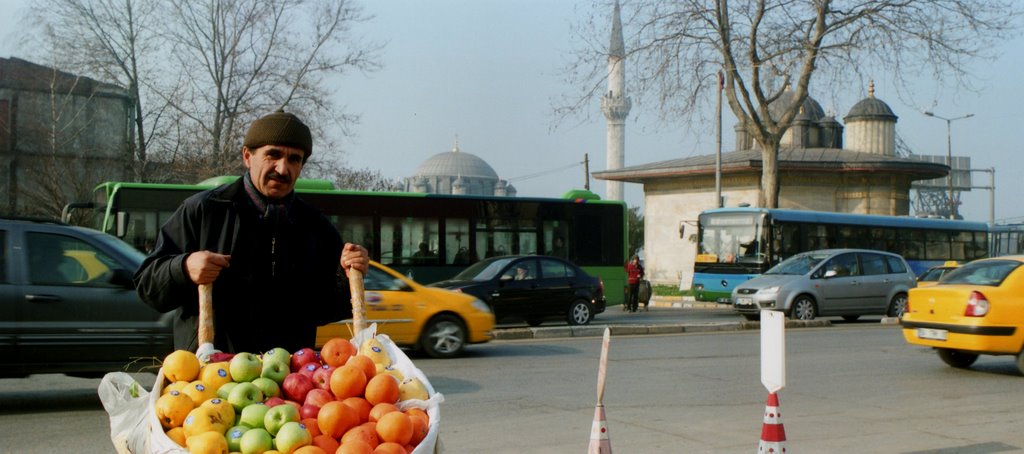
1006	239
738	244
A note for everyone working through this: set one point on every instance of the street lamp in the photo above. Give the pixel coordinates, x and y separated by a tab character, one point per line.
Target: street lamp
949	153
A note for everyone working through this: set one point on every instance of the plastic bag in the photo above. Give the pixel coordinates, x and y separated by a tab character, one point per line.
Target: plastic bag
127	403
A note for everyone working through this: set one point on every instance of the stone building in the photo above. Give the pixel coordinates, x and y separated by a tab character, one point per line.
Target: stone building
817	171
60	135
459	173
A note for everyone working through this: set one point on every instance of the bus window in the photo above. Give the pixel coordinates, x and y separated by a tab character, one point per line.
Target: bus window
405	241
937	245
912	242
456	241
356	229
554	238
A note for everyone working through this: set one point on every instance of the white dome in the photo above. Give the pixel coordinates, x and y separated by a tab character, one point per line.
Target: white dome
456	164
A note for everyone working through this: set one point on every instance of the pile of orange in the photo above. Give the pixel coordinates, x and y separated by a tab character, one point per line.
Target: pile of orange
363	417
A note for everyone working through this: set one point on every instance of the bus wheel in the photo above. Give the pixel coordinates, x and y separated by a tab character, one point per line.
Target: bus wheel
898	305
443	337
579	313
803	308
957	358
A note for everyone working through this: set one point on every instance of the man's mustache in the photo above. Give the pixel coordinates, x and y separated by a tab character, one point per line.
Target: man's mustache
279	178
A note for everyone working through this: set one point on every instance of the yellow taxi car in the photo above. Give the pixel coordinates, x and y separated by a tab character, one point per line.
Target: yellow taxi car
439	322
976	309
932	275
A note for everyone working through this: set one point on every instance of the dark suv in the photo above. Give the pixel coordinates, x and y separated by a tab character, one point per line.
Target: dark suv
68	305
532	288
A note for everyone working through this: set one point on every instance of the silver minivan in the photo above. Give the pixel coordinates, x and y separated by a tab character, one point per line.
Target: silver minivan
845	282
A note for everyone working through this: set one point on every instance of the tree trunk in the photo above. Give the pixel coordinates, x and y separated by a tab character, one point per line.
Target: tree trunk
769	195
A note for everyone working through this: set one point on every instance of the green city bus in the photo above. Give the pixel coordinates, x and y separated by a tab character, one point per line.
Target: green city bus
453	231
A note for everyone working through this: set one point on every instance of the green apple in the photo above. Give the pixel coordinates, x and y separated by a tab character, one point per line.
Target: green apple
275	370
234	437
292	435
256	441
224	389
278	415
269	387
277	355
245	367
252	415
243	395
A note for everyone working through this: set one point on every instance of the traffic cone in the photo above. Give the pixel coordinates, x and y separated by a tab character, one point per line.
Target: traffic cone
599	441
773	434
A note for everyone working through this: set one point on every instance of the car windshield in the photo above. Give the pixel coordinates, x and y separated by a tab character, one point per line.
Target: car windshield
483	271
985	272
799	264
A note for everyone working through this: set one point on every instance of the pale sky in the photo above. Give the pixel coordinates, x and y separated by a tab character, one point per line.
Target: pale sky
488	71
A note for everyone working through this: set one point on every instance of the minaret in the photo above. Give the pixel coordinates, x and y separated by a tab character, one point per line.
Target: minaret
615	104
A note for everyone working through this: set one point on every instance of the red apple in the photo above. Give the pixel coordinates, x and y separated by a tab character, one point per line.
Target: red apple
273	401
309	369
322	377
308	411
296	386
302	357
318	397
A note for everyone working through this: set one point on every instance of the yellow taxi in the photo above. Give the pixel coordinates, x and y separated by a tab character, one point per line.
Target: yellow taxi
932	275
439	322
976	309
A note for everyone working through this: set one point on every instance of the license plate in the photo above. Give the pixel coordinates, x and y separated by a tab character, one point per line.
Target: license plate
933	334
744	301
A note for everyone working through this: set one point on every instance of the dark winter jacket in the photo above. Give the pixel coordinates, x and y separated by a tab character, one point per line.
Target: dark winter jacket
282	283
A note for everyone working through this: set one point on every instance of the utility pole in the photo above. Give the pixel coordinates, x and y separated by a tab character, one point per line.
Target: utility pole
718	143
586	171
949	155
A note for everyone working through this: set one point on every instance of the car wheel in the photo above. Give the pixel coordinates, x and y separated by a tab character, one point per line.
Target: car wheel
752	317
851	318
443	337
580	313
1020	361
803	308
898	305
957	358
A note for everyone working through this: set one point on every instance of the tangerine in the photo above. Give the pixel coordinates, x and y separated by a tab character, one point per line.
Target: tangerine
364	363
337	351
420	428
336	418
417	411
380	410
382	389
395	427
311	426
389	448
354	446
310	449
361	406
347	381
328	444
180	365
365	432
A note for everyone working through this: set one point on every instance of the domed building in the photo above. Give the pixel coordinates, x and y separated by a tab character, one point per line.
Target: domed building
458	173
817	172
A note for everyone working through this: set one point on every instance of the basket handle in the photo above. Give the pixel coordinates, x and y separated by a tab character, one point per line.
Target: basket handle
355	285
205	314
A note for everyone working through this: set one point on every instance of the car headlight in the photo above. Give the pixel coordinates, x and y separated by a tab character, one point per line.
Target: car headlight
769	290
480	306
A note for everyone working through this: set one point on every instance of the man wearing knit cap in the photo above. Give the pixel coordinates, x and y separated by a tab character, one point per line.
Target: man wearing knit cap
273	259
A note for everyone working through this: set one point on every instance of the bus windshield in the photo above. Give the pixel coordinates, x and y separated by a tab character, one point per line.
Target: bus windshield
735	238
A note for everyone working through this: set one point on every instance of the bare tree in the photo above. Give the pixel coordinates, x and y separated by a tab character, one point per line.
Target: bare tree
200	71
766	47
364	180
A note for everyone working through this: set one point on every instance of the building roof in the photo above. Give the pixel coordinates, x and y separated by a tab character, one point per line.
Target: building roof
19	74
870	108
831	160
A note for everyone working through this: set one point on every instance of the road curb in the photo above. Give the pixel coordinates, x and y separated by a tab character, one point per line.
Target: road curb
555	332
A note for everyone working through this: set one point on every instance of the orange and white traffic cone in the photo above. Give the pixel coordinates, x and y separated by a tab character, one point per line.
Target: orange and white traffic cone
599	441
773	434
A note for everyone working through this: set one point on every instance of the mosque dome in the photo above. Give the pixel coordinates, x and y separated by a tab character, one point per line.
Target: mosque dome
455	163
810	111
870	108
